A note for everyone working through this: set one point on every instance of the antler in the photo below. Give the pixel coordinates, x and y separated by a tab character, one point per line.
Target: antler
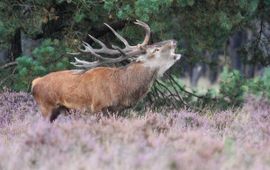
124	53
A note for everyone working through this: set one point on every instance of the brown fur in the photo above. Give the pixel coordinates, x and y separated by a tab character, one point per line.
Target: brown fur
97	90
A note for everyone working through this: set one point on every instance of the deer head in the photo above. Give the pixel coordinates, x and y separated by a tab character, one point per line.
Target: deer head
160	56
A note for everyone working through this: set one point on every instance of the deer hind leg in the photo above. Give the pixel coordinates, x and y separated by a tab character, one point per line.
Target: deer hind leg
57	111
51	112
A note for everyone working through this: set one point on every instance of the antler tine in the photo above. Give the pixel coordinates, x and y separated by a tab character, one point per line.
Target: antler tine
86	46
97	41
127	52
119	37
119	49
104	48
89	49
147	30
84	64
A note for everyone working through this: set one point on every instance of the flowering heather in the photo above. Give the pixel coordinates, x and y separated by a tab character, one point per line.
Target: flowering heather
238	139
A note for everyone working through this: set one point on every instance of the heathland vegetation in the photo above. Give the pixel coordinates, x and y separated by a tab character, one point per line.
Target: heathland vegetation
176	126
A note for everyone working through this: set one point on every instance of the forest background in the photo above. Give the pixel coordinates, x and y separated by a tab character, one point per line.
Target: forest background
226	42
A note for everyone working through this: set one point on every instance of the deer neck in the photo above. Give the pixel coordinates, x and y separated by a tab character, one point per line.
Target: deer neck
159	66
140	74
136	80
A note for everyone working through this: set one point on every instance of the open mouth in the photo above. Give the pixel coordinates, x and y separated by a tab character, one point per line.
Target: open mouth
177	56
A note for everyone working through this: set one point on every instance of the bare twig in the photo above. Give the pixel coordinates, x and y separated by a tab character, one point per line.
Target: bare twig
167	89
176	92
163	95
184	90
8	65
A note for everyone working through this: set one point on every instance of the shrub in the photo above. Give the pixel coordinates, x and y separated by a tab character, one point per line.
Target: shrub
232	88
49	56
260	86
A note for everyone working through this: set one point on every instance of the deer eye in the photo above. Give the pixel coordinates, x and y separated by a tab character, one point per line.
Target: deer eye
157	49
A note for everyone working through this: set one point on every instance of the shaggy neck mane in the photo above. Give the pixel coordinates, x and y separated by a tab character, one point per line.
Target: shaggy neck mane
135	80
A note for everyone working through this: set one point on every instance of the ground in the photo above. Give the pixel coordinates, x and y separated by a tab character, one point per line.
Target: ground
177	139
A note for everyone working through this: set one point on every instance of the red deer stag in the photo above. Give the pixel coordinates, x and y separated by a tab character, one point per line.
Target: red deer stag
105	88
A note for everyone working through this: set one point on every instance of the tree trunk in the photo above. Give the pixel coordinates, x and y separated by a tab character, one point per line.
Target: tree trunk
16	48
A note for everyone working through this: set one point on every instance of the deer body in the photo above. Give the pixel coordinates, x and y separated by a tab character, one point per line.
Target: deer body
99	89
103	89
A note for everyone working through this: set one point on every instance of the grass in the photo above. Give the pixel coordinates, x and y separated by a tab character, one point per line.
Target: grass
178	139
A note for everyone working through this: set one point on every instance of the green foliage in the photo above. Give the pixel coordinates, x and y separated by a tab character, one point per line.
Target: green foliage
185	3
49	56
229	146
206	24
79	17
145	9
260	86
232	88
